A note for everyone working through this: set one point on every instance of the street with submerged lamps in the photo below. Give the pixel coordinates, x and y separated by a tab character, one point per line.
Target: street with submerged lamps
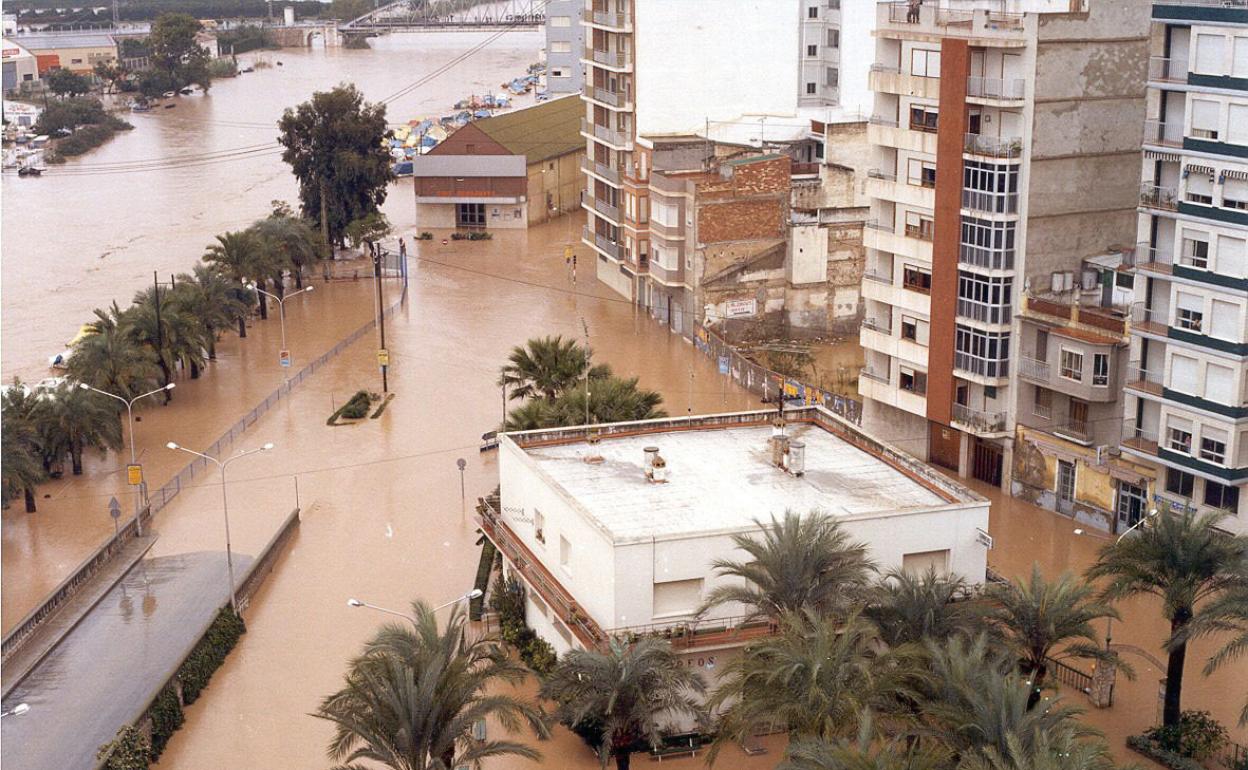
225	503
473	594
281	313
138	504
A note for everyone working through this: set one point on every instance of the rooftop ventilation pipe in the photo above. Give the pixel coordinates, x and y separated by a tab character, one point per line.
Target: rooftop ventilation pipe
797	457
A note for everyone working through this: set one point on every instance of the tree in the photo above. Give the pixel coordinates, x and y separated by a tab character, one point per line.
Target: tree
1041	620
628	691
335	147
863	753
111	74
62	82
531	415
368	229
236	255
173	335
546	368
21	469
1228	614
211	297
411	699
268	266
908	609
611	399
815	679
72	420
1183	560
293	239
801	562
174	50
110	359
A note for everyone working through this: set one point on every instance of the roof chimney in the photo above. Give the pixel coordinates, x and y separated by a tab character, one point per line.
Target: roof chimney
655	467
797	457
779	451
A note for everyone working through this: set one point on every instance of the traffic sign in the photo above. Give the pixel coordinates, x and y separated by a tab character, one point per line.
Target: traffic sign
283	357
114	508
383	357
134	475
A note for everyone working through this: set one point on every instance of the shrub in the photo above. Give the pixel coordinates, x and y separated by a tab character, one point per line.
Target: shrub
538	655
72	113
210	653
357	408
166	715
222	68
84	140
471	235
1197	735
128	751
508	601
425	236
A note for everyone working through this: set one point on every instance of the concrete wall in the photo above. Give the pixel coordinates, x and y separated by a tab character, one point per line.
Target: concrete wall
560	179
573	36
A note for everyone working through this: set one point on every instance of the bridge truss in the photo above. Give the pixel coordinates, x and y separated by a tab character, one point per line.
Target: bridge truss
418	15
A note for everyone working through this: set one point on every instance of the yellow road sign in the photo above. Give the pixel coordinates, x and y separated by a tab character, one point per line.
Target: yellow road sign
383	357
134	475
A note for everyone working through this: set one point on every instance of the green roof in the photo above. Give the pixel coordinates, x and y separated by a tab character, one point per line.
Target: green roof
543	131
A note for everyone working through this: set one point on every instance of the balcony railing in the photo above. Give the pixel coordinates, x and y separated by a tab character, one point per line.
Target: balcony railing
607	210
1143	379
1166	134
882	226
606	133
1076	430
871	373
602	170
1146	257
880	120
1149	320
878	275
875	173
996	88
979	421
993	146
990	259
983	367
983	312
881	325
609	58
991	202
1155	197
804	169
613	98
887	69
1139	438
612	248
1034	368
1169	70
613	20
691	634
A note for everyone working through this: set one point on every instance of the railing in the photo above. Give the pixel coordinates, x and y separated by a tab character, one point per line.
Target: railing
1041	410
996	88
1139	438
804	169
887	69
884	227
1034	368
1234	755
602	170
875	173
949	16
1143	379
880	120
613	20
605	133
923	232
881	325
871	374
1149	319
878	275
1077	430
991	259
984	367
991	202
983	422
993	146
1146	257
1005	20
1155	197
1069	675
614	98
983	312
609	58
695	633
1167	134
607	210
1170	70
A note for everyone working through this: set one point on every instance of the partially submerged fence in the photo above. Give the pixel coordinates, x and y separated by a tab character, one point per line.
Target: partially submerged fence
770	384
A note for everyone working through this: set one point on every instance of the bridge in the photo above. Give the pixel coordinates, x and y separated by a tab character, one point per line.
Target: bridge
426	15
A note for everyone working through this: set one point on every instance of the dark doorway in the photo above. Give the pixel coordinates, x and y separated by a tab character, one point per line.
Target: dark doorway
944	446
987	462
1132	501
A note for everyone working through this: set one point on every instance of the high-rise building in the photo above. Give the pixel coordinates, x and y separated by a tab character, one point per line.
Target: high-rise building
1186	408
565	44
749	73
1002	146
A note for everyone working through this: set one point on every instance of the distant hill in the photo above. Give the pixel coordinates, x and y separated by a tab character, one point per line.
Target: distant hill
49	11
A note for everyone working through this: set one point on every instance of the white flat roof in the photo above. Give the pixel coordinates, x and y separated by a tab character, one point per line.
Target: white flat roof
721	478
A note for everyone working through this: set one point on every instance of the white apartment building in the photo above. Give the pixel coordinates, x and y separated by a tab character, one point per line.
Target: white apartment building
1001	140
1186	407
616	535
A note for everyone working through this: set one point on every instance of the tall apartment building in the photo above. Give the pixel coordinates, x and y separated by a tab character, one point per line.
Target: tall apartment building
1186	409
565	44
1001	141
659	72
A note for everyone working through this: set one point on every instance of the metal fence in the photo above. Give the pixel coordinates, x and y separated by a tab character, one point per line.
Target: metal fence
157	500
1070	676
769	384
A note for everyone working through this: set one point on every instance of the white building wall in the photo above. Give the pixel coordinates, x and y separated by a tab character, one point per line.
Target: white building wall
857	54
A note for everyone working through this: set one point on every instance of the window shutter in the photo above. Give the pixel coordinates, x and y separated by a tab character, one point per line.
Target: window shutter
1205	115
1183	376
1225	320
1193	302
1239	64
1220	384
1232	256
1237	128
1210	54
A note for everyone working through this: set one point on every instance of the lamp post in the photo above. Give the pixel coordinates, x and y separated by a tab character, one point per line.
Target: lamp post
473	594
1109	622
225	504
138	504
16	711
281	312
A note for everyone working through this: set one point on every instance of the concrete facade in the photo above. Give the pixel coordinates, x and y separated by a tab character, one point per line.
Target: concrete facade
19	67
75	51
1001	163
1186	403
565	45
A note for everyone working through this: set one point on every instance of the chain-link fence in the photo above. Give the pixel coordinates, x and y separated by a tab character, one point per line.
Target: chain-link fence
769	384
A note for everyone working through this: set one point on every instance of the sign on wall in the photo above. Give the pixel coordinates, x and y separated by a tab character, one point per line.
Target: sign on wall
740	308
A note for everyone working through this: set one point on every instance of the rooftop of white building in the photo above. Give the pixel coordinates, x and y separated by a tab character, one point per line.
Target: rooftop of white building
720	476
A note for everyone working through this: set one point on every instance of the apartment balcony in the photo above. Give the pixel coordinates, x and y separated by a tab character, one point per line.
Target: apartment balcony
891	80
1138	438
804	170
984	202
619	61
978	422
875	375
604	208
875	336
1035	370
1149	321
988	259
1143	380
613	99
881	325
986	313
885	132
1147	259
1007	147
1162	70
1160	198
885	186
603	244
617	139
602	171
882	236
669	275
1078	431
987	26
985	371
608	20
1163	134
1003	91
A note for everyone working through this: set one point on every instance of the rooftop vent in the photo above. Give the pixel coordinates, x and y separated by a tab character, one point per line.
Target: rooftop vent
780	451
655	467
797	457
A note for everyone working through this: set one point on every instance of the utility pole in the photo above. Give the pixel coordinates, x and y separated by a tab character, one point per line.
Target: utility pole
585	326
160	342
382	354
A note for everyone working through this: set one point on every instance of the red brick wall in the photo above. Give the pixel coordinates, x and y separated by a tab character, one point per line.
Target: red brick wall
472	187
759	178
741	221
457	143
954	68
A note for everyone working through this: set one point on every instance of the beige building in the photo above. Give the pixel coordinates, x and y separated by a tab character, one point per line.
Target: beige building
75	51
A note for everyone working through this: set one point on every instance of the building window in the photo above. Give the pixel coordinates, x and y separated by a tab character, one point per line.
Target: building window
912	381
558	73
990	187
1235	194
75	61
1100	369
1042	345
812	88
677	597
916	279
833	77
1072	365
1213	445
1190	314
539	526
1065	481
565	554
1221	496
1199	188
984	298
923	118
921	173
1179	483
1211	54
909	328
1205	118
925	64
1042	403
561	46
987	243
920	563
990	392
919	226
1124	280
834	38
812	50
811	13
984	353
1180	436
1195	252
565	21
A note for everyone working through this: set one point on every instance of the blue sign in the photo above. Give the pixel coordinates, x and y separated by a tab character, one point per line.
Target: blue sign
723	364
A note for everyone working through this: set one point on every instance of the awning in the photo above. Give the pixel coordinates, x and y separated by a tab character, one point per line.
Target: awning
1193	168
1170	157
1230	173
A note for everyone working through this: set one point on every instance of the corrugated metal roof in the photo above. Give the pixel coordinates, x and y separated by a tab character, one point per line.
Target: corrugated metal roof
49	42
543	131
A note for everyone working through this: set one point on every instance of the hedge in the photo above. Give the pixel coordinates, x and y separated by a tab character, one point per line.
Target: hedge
128	751
167	716
210	653
1150	749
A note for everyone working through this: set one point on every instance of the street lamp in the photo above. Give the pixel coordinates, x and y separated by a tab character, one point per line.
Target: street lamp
138	505
281	306
16	711
475	593
225	504
1109	622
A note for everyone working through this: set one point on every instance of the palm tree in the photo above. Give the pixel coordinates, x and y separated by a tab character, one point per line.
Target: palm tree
110	359
531	415
1040	621
611	399
814	679
1182	559
270	263
1060	750
236	255
628	690
546	368
411	699
21	468
1226	614
206	294
296	242
863	753
801	562
172	334
909	608
72	420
